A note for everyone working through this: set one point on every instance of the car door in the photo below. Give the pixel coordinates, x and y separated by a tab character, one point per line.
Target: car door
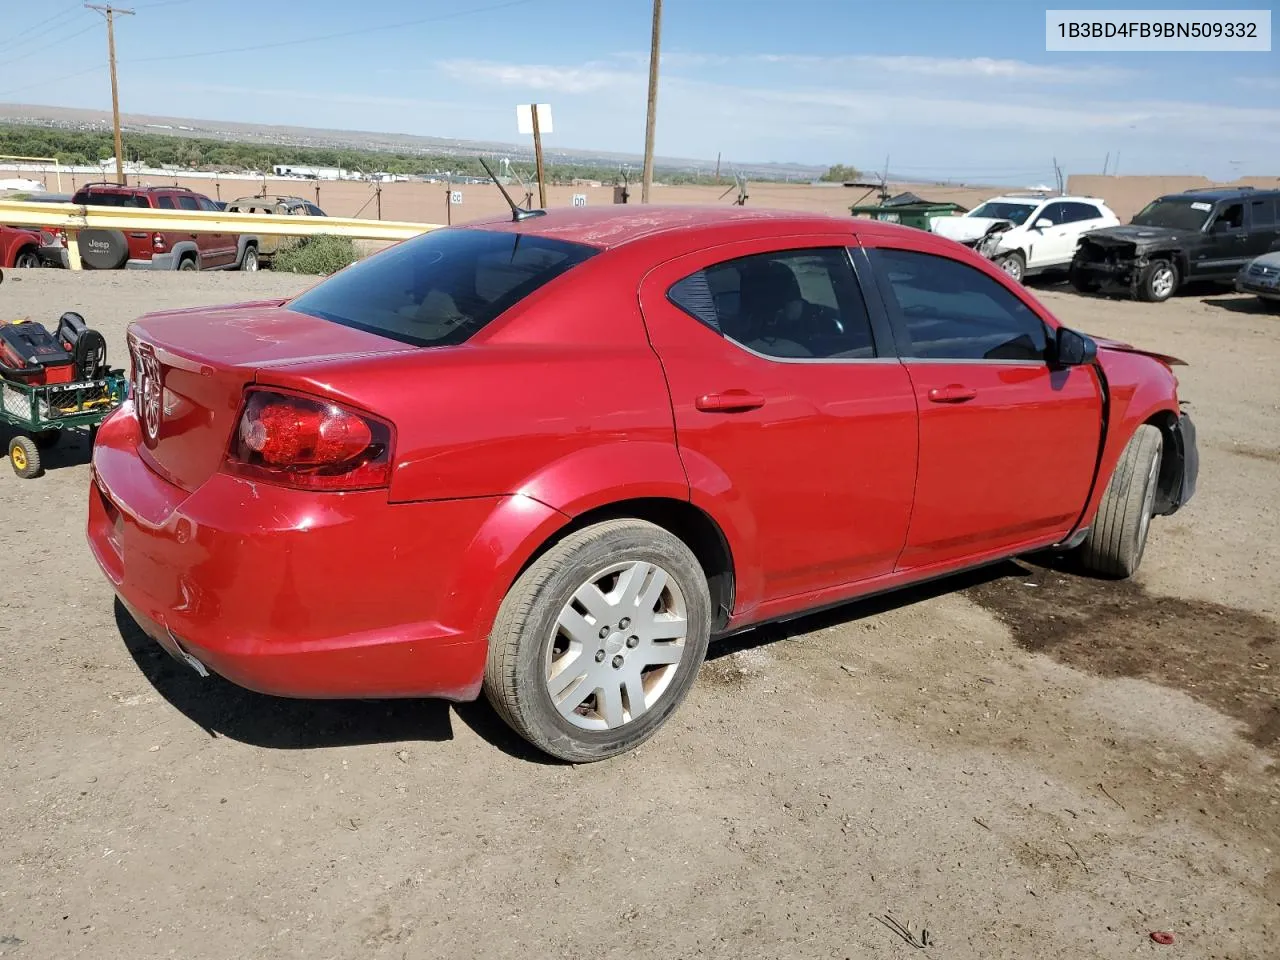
1008	442
1226	243
788	407
222	246
1051	237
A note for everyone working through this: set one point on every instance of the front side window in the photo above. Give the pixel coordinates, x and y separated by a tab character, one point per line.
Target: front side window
164	203
952	311
1055	213
441	287
1230	217
793	304
206	204
188	203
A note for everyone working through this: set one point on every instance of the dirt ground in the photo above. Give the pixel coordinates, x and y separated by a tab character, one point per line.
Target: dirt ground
1021	761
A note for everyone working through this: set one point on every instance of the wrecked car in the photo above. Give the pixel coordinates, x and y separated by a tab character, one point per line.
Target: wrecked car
1176	239
1027	235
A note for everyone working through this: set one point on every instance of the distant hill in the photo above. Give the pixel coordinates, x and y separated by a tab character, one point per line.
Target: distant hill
71	118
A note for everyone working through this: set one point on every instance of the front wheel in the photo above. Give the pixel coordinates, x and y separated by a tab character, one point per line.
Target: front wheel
599	641
1014	264
24	457
1158	281
249	263
27	259
1118	537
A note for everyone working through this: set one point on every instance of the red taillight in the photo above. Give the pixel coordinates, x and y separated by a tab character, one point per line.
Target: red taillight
157	241
310	443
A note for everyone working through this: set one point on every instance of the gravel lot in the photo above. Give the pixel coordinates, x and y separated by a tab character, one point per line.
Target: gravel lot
1026	763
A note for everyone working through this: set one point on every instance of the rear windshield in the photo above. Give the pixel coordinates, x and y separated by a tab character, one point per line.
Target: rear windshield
440	288
93	199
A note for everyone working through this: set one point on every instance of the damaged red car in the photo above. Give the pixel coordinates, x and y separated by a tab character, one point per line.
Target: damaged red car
550	458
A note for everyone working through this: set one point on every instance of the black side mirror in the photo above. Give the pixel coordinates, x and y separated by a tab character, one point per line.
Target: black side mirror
1074	349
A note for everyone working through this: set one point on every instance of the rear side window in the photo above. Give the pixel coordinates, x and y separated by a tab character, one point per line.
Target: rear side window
953	312
441	287
1081	211
164	203
791	304
1262	213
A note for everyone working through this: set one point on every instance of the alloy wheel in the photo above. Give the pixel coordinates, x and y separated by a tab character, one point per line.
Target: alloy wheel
617	645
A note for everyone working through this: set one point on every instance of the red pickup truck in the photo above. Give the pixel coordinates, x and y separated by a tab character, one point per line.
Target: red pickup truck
19	247
160	250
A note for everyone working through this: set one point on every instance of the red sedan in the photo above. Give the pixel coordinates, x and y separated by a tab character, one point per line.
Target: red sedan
550	459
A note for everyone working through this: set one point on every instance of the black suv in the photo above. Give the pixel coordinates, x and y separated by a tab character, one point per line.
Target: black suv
1182	237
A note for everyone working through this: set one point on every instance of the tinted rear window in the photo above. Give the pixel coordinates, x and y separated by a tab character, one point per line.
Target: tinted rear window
440	288
92	199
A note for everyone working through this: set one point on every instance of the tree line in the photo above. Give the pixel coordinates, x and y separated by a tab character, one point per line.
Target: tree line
87	147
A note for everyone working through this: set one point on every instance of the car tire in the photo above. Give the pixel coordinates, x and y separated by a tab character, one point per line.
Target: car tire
27	259
1014	264
249	262
1158	281
564	667
1081	281
188	263
1118	537
24	457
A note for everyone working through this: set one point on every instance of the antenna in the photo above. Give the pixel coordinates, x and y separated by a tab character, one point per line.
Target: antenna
517	213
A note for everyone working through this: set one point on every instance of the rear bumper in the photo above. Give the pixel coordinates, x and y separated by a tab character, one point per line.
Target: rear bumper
292	593
55	255
159	261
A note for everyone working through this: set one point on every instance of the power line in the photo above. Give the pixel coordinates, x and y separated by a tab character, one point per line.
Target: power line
56	43
51	23
334	36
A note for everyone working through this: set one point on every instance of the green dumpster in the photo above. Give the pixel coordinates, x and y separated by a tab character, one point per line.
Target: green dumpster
908	209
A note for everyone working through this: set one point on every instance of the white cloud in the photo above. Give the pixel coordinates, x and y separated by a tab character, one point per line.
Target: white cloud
1259	83
944	68
587	78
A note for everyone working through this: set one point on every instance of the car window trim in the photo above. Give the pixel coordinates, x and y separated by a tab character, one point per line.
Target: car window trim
906	348
881	356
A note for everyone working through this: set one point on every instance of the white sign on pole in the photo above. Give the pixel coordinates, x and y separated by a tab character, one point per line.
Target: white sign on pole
455	196
524	118
579	199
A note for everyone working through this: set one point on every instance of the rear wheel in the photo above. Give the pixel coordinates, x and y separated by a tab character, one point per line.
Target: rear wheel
27	259
1158	281
1118	537
24	457
188	263
599	641
249	262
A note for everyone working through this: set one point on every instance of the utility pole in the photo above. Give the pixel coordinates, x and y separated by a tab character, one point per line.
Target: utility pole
651	117
110	13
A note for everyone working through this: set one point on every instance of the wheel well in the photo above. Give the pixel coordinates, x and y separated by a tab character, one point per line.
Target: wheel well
700	533
187	255
1170	460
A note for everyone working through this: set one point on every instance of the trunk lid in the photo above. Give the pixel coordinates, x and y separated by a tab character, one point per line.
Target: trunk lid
190	369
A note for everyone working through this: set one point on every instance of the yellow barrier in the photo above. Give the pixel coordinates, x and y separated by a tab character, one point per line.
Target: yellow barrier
73	218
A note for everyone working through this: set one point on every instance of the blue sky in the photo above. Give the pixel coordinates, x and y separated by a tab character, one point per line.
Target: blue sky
942	88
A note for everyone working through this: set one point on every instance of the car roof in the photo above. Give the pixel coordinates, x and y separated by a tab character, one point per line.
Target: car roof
1037	199
1220	193
613	226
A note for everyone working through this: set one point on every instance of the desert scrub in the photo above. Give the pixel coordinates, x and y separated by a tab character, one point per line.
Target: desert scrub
320	255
